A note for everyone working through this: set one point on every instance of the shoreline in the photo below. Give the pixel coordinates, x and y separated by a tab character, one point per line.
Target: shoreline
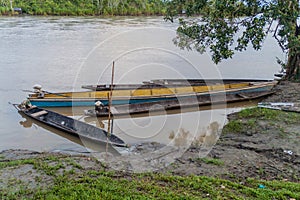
84	8
93	15
257	151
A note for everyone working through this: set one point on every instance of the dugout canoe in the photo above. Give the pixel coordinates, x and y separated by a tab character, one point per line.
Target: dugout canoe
70	125
200	100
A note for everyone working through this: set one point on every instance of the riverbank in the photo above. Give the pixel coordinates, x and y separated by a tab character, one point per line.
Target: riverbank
32	175
258	143
85	8
256	157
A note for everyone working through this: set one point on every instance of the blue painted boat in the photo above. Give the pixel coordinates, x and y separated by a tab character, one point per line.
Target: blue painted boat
119	97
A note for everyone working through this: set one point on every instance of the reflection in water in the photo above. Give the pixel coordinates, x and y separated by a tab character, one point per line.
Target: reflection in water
181	138
207	138
26	123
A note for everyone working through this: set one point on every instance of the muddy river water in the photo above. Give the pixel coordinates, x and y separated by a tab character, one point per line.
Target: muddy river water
63	53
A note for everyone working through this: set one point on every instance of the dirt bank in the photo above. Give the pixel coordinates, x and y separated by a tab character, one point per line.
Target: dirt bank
257	143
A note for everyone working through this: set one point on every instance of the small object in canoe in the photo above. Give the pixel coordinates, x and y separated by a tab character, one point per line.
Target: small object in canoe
70	125
284	106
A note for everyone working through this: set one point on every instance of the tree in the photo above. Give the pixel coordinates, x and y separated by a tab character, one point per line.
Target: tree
226	26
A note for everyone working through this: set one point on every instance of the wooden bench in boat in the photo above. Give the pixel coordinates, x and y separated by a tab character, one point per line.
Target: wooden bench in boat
37	114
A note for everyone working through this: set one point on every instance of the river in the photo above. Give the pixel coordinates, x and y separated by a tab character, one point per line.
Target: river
63	53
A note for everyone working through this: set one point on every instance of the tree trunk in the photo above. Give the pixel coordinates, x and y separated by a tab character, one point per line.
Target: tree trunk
293	64
293	67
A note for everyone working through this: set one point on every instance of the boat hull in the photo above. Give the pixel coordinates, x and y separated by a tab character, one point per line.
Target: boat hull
119	100
123	110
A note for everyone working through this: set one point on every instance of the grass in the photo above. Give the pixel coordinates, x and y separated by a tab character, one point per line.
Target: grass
234	126
246	120
101	184
269	114
212	161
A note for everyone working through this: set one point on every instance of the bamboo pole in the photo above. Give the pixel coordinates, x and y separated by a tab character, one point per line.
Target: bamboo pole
109	104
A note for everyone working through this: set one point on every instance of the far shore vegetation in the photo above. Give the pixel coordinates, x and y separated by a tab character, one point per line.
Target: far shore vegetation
83	7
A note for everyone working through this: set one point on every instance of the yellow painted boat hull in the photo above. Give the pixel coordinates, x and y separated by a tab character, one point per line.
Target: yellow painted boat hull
87	98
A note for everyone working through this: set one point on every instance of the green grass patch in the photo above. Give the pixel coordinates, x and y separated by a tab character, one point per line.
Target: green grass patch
261	113
269	114
233	126
246	120
159	186
212	161
15	163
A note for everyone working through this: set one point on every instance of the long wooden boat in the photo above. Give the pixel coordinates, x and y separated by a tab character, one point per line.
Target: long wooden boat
88	98
201	100
166	83
70	125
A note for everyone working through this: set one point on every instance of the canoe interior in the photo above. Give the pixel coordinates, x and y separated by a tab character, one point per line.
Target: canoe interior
72	126
166	83
205	81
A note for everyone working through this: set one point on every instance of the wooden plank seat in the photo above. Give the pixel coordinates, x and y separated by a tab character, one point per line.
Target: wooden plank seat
37	114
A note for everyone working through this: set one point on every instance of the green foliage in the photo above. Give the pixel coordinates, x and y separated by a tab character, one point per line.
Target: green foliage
91	7
227	26
4	10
